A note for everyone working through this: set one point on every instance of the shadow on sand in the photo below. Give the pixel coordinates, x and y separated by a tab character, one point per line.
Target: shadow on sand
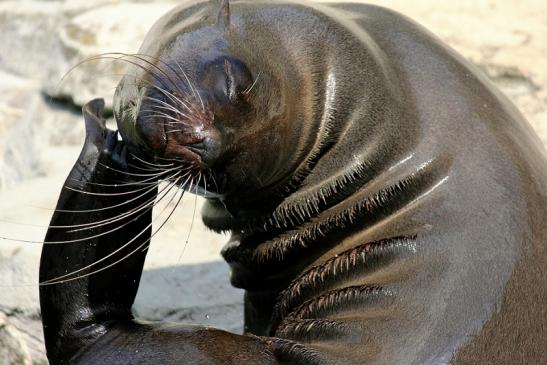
193	293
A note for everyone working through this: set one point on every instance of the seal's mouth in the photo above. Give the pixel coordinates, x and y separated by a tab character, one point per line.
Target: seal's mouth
177	126
180	139
184	146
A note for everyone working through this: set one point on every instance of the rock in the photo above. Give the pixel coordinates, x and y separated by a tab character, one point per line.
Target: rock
26	338
60	35
30	46
13	350
115	28
19	157
19	274
28	204
29	124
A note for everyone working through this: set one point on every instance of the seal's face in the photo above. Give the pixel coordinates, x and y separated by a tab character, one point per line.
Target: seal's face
195	122
206	110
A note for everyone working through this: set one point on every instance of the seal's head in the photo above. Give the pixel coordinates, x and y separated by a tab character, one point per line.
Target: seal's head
193	97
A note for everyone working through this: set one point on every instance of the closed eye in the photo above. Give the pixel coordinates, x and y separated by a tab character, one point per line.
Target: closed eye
230	81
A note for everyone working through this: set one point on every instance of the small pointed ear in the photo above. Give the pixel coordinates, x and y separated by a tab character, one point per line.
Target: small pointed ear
223	19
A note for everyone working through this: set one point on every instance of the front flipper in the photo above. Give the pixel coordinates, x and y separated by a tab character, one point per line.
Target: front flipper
93	254
132	342
92	263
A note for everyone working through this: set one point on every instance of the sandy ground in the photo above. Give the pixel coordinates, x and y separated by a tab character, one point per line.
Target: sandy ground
185	278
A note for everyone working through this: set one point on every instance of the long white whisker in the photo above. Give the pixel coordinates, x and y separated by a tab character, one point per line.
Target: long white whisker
178	112
186	77
138	175
92	225
171	96
143	183
253	85
168	94
149	163
174	98
145	168
56	280
104	194
139	56
115	206
149	204
163	115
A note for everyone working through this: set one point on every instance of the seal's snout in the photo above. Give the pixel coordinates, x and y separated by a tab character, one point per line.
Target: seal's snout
208	148
198	145
176	124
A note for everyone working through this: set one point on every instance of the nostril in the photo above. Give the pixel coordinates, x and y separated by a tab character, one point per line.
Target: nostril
198	147
208	148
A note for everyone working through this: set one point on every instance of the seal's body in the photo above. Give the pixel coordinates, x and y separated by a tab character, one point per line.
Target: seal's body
386	202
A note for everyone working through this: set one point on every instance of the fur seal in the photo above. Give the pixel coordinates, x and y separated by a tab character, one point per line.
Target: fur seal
386	203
